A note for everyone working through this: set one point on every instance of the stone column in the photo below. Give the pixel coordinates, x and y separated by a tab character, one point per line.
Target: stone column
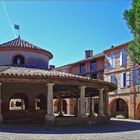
77	107
107	103
49	115
1	117
82	108
60	107
101	111
91	106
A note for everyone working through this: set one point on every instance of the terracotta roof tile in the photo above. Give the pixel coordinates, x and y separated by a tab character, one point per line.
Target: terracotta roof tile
22	44
18	42
21	71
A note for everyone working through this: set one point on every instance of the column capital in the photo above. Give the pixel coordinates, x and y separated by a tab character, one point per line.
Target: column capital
106	89
101	90
50	84
0	83
82	87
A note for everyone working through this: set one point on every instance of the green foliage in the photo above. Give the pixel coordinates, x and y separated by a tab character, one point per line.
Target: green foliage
132	18
120	116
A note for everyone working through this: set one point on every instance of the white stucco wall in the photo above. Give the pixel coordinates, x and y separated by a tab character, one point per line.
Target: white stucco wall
31	58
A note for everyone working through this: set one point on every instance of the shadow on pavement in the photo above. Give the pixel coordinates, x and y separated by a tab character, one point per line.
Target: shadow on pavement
113	126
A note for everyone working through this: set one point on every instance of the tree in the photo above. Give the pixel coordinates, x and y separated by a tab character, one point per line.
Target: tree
132	17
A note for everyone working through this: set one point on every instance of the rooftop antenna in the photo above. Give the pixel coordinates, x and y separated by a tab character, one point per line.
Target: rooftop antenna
8	18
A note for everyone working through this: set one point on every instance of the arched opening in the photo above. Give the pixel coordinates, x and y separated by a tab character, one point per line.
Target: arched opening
96	108
18	102
138	112
64	106
56	106
40	103
119	107
18	59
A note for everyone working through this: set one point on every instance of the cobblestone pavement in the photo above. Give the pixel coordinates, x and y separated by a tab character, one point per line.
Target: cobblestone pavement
116	130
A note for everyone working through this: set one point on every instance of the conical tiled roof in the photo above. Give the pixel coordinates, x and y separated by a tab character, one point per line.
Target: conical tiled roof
20	43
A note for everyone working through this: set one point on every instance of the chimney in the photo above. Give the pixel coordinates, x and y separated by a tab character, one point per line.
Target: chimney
88	53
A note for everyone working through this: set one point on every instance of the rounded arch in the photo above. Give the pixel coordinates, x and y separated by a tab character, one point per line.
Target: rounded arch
18	59
138	112
56	102
56	106
118	106
40	103
18	101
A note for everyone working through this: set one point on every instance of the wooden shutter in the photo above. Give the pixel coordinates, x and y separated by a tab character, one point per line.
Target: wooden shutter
121	80
109	78
113	78
113	60
134	76
124	57
138	76
121	58
127	79
109	58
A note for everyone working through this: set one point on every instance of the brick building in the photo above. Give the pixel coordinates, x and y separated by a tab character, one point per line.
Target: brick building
120	70
113	65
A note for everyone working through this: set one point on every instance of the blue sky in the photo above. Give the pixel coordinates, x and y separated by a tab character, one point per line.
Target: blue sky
67	28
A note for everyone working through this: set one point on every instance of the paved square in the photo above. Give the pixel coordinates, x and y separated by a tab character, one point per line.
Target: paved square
116	130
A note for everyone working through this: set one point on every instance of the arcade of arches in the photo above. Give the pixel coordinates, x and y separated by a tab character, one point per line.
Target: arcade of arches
118	106
33	102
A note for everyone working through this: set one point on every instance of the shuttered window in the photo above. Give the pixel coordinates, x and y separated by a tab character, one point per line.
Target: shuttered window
82	68
113	79
125	79
123	57
136	76
111	61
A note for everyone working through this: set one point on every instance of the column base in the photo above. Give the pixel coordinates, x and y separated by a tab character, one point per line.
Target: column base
49	117
101	115
82	116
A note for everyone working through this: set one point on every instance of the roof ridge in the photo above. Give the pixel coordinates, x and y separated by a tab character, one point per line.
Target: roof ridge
3	68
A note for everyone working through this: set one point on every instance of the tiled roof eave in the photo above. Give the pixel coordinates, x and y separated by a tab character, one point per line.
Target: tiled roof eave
39	74
42	51
18	43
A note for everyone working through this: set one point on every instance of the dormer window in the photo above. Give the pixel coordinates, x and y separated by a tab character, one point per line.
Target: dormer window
18	59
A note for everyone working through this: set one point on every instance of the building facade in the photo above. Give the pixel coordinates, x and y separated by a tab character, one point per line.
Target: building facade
114	65
120	70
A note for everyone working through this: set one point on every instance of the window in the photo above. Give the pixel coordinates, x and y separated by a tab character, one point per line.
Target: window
113	79
123	57
111	60
136	76
120	105
82	68
18	102
18	59
93	66
125	79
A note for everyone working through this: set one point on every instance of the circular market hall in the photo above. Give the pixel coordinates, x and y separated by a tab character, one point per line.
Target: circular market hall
33	92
